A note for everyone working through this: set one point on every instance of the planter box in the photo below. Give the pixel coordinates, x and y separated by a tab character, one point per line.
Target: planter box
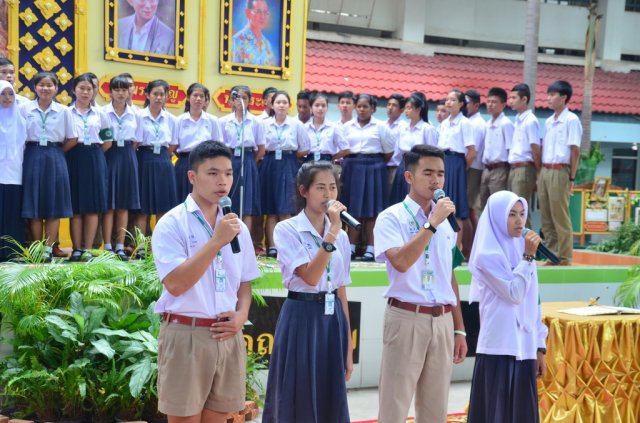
596	258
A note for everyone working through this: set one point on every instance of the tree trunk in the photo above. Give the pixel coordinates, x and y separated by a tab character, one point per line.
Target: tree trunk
589	70
530	71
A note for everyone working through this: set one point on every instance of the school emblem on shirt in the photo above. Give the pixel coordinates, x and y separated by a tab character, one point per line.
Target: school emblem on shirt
193	242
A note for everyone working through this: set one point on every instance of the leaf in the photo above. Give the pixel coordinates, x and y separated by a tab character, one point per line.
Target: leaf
140	375
103	347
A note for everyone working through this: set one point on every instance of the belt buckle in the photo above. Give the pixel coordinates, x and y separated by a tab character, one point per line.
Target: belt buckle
437	311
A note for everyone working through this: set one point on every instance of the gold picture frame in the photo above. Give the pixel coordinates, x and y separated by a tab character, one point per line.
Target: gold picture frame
160	42
600	188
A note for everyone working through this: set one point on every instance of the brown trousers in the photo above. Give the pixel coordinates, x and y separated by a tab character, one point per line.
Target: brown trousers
553	193
522	182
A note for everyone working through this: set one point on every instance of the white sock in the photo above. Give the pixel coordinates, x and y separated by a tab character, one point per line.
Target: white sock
353	248
119	247
107	247
48	249
370	249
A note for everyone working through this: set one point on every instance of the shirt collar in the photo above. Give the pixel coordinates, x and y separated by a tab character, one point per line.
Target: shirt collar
456	120
415	207
53	107
496	122
421	123
147	113
562	117
109	109
522	116
146	28
192	206
302	224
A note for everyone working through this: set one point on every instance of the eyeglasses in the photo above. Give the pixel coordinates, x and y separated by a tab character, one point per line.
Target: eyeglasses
260	12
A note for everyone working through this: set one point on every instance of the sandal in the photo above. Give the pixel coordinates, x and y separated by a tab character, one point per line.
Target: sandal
76	255
121	254
273	253
368	256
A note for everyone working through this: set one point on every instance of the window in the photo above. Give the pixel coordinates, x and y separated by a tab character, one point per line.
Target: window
632	5
624	167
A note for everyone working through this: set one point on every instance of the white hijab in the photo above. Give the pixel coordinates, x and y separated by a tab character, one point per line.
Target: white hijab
13	128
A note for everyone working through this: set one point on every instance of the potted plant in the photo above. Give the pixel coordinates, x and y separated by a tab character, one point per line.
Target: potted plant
588	163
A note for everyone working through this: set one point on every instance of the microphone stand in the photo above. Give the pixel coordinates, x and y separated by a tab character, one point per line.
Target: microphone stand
241	181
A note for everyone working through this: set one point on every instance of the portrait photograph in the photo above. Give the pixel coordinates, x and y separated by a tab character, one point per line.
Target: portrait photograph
4	28
600	188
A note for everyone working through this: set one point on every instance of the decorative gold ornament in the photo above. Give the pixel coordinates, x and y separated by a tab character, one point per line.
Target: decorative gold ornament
28	17
64	75
48	8
47	32
47	59
28	71
64	98
63	22
63	46
28	41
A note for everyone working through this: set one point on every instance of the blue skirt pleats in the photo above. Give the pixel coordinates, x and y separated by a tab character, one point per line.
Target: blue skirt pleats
122	178
11	222
45	182
399	186
87	179
503	390
251	195
364	182
278	184
157	182
306	370
183	186
455	183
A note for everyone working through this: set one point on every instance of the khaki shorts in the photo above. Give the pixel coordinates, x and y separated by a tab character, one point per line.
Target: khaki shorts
196	372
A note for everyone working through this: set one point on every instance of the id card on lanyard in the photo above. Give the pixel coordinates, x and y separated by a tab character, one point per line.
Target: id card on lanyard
427	276
279	132
329	297
157	143
42	140
120	138
237	151
220	274
316	154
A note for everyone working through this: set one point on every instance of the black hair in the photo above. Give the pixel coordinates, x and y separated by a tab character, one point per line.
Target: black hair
85	77
208	150
307	175
245	89
155	84
4	62
399	98
523	90
126	75
461	98
304	95
347	94
318	95
498	92
561	87
93	75
119	82
418	151
441	102
373	102
473	95
191	89
418	100
267	91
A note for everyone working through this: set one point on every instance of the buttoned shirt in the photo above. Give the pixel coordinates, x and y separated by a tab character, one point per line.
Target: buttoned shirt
125	126
526	133
89	124
394	228
156	131
394	129
291	135
247	49
232	131
327	139
497	140
559	135
421	133
190	132
54	125
178	236
456	134
372	138
298	242
479	127
140	36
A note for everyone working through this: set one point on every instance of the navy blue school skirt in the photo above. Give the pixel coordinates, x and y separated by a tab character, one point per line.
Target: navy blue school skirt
157	181
278	183
306	370
45	183
87	178
251	197
503	390
183	186
364	181
399	186
11	222
455	182
122	177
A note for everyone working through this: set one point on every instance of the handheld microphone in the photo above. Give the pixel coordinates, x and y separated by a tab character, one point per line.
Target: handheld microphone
347	218
438	195
225	203
542	249
234	95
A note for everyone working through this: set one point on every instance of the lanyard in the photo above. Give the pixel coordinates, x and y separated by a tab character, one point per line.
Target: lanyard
207	229
329	284
279	132
120	122
239	129
156	129
43	118
318	135
413	216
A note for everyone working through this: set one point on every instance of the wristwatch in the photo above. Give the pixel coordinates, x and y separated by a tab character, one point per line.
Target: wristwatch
429	226
328	247
542	350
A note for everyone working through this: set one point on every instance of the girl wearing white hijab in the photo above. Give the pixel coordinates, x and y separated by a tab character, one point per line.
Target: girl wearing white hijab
13	134
511	344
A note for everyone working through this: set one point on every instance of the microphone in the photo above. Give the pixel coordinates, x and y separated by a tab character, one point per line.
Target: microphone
234	95
347	218
542	249
438	195
225	203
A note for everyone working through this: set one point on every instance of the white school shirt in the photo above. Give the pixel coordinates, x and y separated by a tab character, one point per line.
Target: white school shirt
394	130
21	100
373	138
125	126
178	236
559	135
253	134
294	239
526	133
156	131
262	116
328	139
12	138
55	124
291	135
456	135
479	128
395	227
89	124
497	140
189	133
500	331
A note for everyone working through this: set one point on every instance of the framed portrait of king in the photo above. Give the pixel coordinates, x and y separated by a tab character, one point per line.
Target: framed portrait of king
150	32
255	38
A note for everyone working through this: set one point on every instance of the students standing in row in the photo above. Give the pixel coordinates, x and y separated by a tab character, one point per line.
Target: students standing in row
326	138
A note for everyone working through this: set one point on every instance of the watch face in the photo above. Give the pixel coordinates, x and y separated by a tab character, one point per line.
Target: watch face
328	247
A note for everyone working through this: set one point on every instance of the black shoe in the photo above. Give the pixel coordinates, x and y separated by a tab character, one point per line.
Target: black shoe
273	253
368	256
76	255
121	254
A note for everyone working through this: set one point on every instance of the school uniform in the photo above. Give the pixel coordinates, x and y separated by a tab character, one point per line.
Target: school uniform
45	177
13	134
421	133
364	175
392	165
248	136
307	367
474	173
456	135
280	165
21	100
195	371
417	354
326	141
497	143
189	133
156	173
504	387
86	162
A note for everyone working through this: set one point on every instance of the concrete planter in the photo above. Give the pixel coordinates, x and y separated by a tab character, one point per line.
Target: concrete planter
596	258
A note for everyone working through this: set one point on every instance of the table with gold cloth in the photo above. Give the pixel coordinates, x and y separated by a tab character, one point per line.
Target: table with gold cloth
593	367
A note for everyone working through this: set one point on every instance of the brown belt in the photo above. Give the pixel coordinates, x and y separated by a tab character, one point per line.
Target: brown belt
434	311
188	320
521	164
492	166
554	165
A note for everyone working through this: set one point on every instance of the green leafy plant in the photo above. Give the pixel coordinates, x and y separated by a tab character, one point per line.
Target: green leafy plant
628	293
626	240
255	387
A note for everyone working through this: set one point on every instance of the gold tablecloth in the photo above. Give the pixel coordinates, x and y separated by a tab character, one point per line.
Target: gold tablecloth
593	367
